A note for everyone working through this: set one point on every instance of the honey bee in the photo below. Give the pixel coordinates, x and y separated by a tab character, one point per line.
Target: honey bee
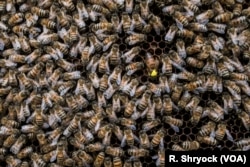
54	135
204	17
193	85
137	22
41	138
217	27
94	43
114	55
79	137
176	94
207	129
158	139
10	140
111	114
195	62
170	35
170	9
73	126
245	103
190	145
68	4
101	9
108	41
224	17
131	107
111	5
156	23
144	140
193	103
128	138
95	121
197	27
103	83
133	67
39	12
167	105
117	24
180	19
15	19
216	107
107	162
99	159
177	147
242	143
207	140
138	152
238	76
114	151
245	119
118	132
131	87
221	131
94	147
150	124
12	161
173	122
144	9
21	96
228	102
16	147
135	38
38	117
196	115
144	101
25	152
103	66
127	122
231	86
130	54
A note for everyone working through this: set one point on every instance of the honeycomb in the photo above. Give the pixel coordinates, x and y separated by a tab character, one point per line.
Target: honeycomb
154	44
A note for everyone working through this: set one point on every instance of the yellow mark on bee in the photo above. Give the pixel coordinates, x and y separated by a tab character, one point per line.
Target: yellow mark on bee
154	73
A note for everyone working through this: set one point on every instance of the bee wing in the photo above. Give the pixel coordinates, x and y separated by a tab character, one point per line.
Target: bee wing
30	118
161	146
175	128
212	134
229	136
144	112
123	142
53	157
1	44
132	27
155	157
132	92
132	127
97	126
179	24
246	148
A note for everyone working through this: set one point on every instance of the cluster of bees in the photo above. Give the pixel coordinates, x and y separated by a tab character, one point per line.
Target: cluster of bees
70	96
